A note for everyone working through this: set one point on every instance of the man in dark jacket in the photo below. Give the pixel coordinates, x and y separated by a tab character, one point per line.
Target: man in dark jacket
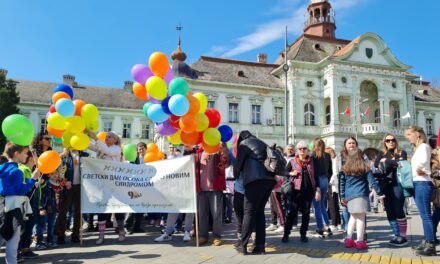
258	184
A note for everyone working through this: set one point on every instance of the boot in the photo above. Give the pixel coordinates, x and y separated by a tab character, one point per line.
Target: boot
242	249
258	250
101	227
427	250
285	238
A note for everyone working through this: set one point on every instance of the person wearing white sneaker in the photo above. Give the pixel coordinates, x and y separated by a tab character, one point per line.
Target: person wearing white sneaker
163	237
169	230
280	229
271	227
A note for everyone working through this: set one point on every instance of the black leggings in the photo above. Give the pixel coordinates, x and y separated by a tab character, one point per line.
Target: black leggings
394	202
239	209
298	200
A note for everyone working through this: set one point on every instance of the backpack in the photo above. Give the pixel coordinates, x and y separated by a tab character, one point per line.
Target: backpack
404	175
275	162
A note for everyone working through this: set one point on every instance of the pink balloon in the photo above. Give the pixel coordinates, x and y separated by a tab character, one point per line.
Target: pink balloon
169	76
141	73
47	115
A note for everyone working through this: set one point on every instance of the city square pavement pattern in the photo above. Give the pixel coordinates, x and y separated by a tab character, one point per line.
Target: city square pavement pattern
141	248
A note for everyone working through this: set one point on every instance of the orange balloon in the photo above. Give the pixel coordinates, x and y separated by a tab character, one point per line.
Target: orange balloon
140	91
58	95
210	149
194	104
159	64
54	132
188	123
150	157
49	161
78	106
189	138
152	148
102	135
160	155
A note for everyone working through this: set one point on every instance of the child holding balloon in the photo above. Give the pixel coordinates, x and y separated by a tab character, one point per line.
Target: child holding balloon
13	188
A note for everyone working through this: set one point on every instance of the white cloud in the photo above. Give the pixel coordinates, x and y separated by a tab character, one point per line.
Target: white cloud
274	30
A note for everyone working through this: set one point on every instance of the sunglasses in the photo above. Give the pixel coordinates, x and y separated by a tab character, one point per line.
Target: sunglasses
390	140
302	148
47	138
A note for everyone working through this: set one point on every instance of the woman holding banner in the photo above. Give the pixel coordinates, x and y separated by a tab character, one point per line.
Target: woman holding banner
110	150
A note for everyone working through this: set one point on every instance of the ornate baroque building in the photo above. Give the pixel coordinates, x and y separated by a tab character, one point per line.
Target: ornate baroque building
336	88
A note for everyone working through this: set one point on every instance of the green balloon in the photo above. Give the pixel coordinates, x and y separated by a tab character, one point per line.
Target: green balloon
57	140
145	108
178	86
311	146
130	152
18	129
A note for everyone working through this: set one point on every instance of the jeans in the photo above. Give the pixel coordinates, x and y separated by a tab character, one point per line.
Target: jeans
423	192
173	217
71	197
210	203
51	218
12	246
320	207
345	218
394	202
26	237
227	205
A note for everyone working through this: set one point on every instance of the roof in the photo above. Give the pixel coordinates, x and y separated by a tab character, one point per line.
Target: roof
41	92
236	72
425	93
310	48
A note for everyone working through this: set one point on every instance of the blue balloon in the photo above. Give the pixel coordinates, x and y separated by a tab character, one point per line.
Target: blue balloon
65	107
156	113
145	108
64	88
165	107
178	105
226	132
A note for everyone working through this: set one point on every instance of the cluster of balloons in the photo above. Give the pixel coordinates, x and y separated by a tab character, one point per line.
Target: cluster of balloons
153	153
67	118
178	114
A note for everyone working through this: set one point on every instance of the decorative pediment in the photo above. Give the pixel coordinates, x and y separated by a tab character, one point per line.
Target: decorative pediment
233	98
256	100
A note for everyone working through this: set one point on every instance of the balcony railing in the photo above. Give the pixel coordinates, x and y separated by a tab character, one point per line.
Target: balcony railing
365	129
317	20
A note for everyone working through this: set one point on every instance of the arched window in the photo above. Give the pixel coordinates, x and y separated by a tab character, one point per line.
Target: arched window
396	118
377	116
327	115
309	115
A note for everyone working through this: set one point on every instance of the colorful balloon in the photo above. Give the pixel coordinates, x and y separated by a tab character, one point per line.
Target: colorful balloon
65	107
226	132
188	123
166	129
57	140
59	95
202	122
156	88
93	126
102	135
194	104
141	73
66	139
145	108
90	113
140	91
213	116
75	124
78	106
54	132
80	141
18	129
57	121
210	149
203	102
165	107
211	136
52	109
189	138
152	148
156	113
178	105
49	161
175	139
150	157
160	155
62	87
159	64
168	77
130	152
178	86
174	121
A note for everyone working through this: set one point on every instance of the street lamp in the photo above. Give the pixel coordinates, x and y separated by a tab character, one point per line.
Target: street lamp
285	69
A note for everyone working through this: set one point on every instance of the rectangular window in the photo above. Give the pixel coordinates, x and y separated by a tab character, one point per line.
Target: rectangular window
233	113
211	104
146	131
256	114
278	116
126	130
429	126
43	126
108	126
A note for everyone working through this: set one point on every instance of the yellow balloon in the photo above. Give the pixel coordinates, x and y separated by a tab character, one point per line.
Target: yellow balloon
66	139
203	101
75	124
57	121
80	141
90	113
156	88
212	136
93	126
175	139
202	122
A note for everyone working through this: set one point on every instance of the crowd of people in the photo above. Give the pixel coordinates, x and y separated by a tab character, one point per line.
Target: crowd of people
231	184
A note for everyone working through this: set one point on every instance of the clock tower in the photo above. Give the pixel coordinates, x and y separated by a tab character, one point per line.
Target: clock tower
321	21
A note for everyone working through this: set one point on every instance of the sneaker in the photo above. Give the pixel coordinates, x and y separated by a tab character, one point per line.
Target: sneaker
319	233
40	246
228	221
121	237
349	243
186	237
163	238
100	240
398	241
328	232
20	259
361	245
271	227
280	229
162	223
217	242
294	228
52	244
333	228
28	254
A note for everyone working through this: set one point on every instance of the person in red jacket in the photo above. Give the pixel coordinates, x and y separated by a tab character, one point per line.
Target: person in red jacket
210	184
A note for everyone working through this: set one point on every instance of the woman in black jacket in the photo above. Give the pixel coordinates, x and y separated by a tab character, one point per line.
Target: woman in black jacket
258	184
394	199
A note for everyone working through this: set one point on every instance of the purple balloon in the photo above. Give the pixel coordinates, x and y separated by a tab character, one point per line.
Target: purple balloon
165	128
169	76
47	115
154	101
141	73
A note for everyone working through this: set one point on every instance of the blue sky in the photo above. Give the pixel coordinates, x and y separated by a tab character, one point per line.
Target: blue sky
98	41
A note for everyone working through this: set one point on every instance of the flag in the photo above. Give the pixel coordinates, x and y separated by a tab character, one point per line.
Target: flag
406	116
366	113
347	110
438	138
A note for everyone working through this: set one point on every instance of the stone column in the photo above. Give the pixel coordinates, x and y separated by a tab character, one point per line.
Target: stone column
117	125
381	114
421	120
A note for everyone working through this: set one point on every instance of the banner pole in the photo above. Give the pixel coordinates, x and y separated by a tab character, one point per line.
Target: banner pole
81	231
197	228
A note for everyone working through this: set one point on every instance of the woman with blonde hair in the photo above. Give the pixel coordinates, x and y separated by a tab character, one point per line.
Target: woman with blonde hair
394	197
423	187
322	163
333	190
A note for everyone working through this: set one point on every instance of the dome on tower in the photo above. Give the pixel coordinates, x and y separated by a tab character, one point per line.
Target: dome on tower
179	67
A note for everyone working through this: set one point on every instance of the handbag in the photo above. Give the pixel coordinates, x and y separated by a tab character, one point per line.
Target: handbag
404	175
